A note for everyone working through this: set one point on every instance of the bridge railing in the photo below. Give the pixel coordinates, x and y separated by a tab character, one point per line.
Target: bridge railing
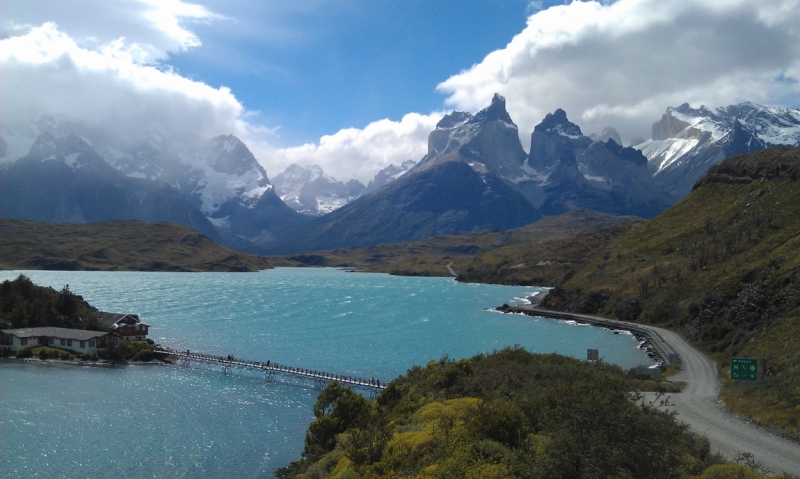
271	367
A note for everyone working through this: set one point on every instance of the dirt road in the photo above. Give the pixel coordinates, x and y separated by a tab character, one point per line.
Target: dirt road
697	405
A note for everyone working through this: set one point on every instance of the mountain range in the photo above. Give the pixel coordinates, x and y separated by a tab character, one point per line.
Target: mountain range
476	175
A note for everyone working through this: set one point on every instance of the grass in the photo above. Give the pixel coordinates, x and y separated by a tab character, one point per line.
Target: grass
723	267
116	246
482	256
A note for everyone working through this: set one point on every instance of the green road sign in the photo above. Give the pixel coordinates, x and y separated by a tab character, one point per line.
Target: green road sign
743	369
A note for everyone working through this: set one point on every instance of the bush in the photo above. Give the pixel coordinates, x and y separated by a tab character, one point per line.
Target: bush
65	356
24	353
94	356
145	355
42	354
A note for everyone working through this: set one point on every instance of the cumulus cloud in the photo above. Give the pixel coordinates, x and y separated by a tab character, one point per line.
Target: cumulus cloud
147	29
360	153
622	64
115	85
46	71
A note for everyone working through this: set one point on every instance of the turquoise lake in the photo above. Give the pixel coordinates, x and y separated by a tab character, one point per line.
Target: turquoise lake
166	421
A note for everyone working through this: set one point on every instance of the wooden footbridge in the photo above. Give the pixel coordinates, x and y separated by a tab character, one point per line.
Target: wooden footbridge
272	371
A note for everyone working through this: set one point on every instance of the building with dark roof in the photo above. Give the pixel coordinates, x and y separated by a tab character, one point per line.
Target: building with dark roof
78	340
126	326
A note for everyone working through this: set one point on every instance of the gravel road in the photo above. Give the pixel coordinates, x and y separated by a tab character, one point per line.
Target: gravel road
699	407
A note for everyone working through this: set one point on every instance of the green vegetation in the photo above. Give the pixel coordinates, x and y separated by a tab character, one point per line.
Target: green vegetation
116	246
26	305
722	266
519	256
507	414
128	351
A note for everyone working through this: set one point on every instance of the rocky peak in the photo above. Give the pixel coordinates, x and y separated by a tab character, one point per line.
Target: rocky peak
495	111
627	153
454	119
557	123
608	133
228	154
668	127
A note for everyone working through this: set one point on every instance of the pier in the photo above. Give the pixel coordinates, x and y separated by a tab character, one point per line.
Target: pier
272	371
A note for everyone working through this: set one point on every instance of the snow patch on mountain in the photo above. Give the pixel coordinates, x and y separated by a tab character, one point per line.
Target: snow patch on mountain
666	152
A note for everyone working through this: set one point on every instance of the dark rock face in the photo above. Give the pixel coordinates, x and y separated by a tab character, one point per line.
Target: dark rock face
488	141
444	199
569	170
65	181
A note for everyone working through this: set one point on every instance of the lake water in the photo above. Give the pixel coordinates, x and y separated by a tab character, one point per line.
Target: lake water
156	421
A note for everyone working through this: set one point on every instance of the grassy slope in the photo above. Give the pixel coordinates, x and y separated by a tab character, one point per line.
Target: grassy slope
722	266
507	414
497	249
118	246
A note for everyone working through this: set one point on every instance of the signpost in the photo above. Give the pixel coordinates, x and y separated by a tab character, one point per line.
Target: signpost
744	369
591	355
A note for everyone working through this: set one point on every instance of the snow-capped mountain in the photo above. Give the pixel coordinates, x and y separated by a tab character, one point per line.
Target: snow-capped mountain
487	141
388	174
686	141
567	170
220	177
63	180
312	192
454	188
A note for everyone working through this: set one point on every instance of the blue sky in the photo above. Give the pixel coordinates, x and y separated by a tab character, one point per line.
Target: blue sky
343	64
356	85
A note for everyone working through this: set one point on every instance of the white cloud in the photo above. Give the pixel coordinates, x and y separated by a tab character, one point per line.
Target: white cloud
46	71
360	153
110	85
623	63
150	29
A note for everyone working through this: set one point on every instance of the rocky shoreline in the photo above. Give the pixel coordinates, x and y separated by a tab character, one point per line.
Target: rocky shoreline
649	341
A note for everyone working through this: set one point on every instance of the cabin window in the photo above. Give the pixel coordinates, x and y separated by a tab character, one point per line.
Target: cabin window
51	340
83	344
23	341
40	340
63	341
69	342
125	328
91	343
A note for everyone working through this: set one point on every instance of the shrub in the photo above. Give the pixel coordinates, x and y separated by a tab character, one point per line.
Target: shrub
25	353
145	355
42	354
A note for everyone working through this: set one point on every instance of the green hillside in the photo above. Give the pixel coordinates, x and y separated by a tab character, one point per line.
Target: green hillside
116	246
482	256
721	266
506	414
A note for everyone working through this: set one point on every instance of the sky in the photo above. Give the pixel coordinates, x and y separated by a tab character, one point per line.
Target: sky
356	85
